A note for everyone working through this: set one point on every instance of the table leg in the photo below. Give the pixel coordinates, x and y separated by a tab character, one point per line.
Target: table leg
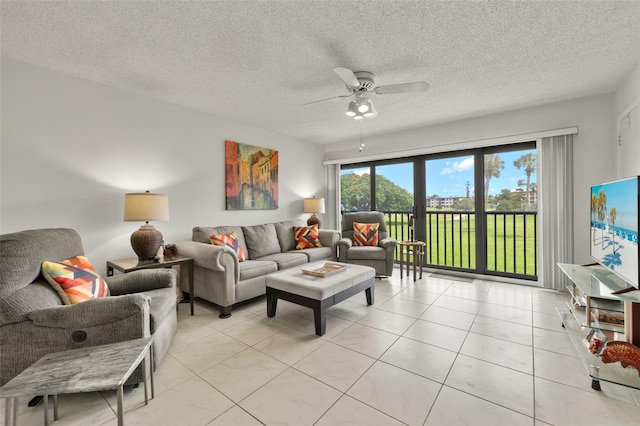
192	294
369	294
272	304
120	406
11	411
421	263
152	367
55	407
45	400
320	319
415	260
144	379
401	262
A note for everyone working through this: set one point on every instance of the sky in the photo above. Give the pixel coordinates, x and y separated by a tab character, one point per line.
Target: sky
448	177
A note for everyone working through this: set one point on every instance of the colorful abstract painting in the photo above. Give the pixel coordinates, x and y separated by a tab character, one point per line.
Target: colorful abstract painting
251	177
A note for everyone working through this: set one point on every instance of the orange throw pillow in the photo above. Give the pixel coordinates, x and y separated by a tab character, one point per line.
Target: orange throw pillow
365	234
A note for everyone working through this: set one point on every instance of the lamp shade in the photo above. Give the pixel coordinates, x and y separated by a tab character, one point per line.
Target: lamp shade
146	206
143	207
314	205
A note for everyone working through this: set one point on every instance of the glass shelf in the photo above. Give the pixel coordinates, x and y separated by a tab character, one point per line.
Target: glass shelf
580	316
596	281
613	373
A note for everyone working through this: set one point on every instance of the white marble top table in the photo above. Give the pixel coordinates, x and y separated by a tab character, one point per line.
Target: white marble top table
90	369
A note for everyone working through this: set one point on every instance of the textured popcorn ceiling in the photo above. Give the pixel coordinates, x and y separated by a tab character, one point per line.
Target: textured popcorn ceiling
258	62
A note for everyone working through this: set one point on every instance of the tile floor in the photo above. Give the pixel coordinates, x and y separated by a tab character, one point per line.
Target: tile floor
437	352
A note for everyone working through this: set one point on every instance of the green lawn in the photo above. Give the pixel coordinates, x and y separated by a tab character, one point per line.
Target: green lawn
451	241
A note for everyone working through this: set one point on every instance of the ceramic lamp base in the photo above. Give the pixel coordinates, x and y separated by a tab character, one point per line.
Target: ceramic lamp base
146	241
313	220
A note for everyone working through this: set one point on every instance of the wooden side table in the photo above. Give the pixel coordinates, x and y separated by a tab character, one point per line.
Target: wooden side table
415	249
133	264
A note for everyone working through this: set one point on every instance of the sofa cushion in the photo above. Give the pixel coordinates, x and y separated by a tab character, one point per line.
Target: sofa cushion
256	268
365	234
287	260
229	240
16	306
366	253
306	237
261	240
285	234
75	280
22	254
315	254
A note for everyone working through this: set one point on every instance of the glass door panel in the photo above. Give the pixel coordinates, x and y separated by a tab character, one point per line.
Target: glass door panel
355	189
394	196
510	202
450	212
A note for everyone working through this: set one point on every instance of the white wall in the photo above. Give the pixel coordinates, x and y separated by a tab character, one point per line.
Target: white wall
594	145
627	113
71	149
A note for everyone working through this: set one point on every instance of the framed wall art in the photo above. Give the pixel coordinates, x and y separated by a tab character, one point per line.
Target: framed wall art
251	177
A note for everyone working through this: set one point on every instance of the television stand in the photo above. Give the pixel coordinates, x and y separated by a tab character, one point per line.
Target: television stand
594	305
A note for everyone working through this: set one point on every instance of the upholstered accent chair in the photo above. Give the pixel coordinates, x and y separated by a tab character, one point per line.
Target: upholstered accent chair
379	256
34	321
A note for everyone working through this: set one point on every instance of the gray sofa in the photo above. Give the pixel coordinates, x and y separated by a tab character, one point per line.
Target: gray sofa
221	279
34	321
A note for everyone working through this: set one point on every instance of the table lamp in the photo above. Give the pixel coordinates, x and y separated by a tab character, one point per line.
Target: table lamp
313	205
146	206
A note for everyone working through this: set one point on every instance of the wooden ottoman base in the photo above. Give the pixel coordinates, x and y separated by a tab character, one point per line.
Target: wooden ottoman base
319	306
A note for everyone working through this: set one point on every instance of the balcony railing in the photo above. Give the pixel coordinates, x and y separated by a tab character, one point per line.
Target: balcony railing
510	243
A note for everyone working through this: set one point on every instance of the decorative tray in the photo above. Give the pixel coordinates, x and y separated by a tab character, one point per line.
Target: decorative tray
325	270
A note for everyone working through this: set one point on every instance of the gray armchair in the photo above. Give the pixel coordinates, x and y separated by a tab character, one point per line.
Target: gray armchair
380	257
34	322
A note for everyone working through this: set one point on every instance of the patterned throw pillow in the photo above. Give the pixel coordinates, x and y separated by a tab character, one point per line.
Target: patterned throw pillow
229	240
306	237
75	280
365	234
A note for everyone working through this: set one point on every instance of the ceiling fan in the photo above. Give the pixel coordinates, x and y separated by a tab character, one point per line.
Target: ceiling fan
360	85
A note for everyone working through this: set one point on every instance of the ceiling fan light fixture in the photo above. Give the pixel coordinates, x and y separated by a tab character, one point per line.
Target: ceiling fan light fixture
358	116
364	106
352	109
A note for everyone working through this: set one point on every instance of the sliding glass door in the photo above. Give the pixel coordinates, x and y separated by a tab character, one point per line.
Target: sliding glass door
476	210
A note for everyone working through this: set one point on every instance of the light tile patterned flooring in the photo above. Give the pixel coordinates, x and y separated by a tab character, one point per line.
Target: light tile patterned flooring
437	352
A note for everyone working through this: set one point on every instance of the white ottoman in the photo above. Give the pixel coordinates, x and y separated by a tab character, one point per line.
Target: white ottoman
319	293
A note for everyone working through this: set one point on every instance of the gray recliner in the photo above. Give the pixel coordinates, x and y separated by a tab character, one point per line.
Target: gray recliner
35	322
379	257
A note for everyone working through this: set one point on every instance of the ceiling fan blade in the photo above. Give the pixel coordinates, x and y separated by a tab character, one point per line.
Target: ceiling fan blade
418	86
327	99
347	76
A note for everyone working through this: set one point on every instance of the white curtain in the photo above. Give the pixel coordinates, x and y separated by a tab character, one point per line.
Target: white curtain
555	209
333	195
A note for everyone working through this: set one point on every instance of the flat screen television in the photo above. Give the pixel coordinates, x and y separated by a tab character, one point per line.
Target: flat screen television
614	228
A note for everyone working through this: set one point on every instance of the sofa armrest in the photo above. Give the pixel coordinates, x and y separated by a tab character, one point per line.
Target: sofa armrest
140	281
216	258
342	246
329	238
103	310
389	244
